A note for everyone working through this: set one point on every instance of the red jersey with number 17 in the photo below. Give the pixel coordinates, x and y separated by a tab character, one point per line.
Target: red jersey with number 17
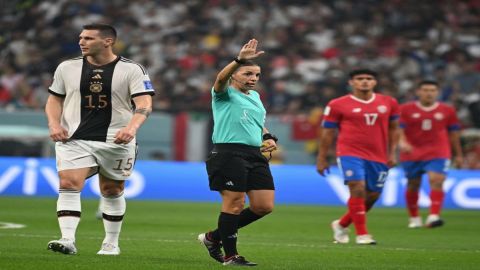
426	129
363	125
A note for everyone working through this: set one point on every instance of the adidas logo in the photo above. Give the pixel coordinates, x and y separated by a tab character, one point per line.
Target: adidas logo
233	236
229	183
97	77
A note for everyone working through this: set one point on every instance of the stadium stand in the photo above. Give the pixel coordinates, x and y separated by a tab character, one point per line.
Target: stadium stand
310	47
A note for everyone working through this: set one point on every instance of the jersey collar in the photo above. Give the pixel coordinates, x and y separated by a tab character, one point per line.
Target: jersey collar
364	101
427	109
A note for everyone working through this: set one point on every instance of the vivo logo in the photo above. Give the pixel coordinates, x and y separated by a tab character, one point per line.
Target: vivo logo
33	173
295	184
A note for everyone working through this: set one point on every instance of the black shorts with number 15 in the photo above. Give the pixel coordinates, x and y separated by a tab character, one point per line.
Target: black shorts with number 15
238	167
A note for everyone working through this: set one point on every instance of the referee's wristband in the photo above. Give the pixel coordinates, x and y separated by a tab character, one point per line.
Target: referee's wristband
236	59
268	136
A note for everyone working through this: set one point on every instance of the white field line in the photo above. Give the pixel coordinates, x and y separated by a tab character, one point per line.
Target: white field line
8	225
252	243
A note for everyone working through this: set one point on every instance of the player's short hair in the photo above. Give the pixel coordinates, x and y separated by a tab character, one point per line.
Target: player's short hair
362	71
105	30
427	82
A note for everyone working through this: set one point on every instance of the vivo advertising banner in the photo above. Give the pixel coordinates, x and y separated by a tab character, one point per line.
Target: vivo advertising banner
186	181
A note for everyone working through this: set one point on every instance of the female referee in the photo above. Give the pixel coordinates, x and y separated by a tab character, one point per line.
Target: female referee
236	166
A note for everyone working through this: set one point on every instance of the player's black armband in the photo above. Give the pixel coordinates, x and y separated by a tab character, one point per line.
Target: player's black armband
268	136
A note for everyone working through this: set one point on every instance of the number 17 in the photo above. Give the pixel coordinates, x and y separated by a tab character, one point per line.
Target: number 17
370	118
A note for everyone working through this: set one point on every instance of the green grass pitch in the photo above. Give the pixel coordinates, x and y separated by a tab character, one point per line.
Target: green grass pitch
162	235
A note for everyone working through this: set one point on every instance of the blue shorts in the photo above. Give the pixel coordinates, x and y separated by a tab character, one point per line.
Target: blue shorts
356	169
414	169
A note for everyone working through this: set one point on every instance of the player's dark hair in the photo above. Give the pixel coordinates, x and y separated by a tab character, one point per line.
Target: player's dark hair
362	71
248	63
105	30
428	82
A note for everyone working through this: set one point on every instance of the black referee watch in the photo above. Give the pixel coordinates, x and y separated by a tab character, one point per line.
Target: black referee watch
268	136
236	59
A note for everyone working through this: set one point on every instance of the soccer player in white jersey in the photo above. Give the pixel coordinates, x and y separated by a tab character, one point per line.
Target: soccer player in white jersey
93	122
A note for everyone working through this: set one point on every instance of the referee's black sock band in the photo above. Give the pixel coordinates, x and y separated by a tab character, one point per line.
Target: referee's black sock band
246	217
228	227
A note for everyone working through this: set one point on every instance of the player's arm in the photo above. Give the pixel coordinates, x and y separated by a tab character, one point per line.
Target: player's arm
325	141
393	133
454	137
53	110
223	77
393	139
403	143
143	108
331	119
269	141
247	52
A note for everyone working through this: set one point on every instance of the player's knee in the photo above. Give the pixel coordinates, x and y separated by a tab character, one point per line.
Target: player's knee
357	189
358	193
70	183
262	210
436	182
413	185
233	206
436	185
111	191
413	188
372	198
111	188
235	209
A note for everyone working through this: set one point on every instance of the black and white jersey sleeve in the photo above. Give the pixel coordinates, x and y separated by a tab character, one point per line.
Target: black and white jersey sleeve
98	99
140	83
58	87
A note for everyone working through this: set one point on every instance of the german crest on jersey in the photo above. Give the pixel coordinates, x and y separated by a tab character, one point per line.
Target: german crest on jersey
96	87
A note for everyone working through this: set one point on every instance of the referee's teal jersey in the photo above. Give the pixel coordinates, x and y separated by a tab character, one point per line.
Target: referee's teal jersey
238	117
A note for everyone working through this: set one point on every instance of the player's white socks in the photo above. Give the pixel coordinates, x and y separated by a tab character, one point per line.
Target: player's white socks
68	212
113	209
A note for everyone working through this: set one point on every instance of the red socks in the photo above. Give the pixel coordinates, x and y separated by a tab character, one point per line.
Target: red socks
345	220
411	199
436	196
357	212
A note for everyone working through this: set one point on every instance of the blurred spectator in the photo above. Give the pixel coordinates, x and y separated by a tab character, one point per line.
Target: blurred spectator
310	47
279	99
183	42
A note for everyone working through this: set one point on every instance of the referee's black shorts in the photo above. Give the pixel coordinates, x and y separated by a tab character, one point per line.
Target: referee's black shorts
238	167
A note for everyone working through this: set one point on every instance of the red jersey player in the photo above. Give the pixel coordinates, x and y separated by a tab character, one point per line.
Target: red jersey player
428	129
368	135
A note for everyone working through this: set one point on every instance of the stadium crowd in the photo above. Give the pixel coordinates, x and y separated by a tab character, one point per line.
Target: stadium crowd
310	45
